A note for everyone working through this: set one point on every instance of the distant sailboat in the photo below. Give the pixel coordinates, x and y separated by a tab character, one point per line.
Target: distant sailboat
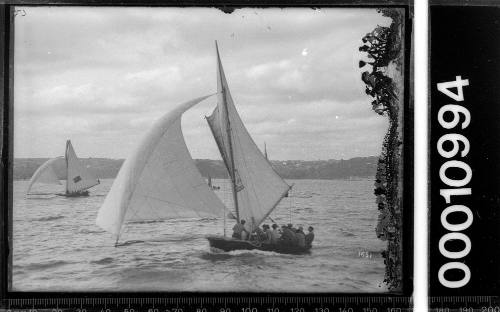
161	181
78	178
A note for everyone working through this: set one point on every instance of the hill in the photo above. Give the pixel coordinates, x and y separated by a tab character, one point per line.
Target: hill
289	169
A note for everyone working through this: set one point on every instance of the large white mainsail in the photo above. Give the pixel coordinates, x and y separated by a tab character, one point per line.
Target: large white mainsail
159	180
257	188
45	174
78	178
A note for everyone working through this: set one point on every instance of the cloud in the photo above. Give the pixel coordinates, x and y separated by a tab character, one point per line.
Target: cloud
102	75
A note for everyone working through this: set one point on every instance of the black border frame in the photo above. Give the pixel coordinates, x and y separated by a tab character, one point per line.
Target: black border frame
6	165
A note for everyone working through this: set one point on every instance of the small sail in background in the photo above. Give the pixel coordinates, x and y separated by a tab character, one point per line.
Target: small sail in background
45	174
257	188
159	180
79	178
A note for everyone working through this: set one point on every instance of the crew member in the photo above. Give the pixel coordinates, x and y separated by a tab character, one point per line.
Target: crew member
268	234
287	236
301	237
310	236
275	235
239	231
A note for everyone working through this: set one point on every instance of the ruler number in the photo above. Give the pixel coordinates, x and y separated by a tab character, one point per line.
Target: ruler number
346	310
273	310
225	310
297	310
490	309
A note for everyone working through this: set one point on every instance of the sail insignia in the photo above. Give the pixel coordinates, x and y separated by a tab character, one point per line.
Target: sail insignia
78	178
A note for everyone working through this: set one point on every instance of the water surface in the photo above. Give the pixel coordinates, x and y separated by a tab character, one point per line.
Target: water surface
58	247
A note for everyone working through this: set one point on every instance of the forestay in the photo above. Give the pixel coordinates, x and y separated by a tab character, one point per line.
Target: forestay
258	187
159	180
45	174
79	178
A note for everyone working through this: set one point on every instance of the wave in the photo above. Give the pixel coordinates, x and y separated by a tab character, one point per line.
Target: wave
86	231
146	221
106	260
49	218
45	265
301	196
41	196
130	242
208	219
175	239
347	233
147	278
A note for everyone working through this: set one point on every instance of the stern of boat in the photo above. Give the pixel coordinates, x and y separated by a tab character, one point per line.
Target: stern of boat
228	243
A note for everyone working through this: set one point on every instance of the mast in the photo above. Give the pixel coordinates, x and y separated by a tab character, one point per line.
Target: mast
228	129
265	150
67	164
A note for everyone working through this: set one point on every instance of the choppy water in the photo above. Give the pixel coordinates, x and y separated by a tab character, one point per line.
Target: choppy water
58	247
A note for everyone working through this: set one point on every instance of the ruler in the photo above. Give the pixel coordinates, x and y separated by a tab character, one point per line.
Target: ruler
465	303
179	303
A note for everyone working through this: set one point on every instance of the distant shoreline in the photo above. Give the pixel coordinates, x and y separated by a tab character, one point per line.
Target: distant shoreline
358	167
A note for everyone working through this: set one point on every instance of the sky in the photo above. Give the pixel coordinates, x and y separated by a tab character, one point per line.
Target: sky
101	76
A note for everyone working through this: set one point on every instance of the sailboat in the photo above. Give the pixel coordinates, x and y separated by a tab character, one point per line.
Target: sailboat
161	181
78	178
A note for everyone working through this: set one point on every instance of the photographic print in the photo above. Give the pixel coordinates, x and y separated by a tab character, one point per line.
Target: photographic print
207	150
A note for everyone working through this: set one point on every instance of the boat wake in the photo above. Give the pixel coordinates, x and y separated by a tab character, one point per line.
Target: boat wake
159	240
239	253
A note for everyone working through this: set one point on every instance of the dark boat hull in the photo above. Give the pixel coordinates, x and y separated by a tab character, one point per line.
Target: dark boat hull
230	244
